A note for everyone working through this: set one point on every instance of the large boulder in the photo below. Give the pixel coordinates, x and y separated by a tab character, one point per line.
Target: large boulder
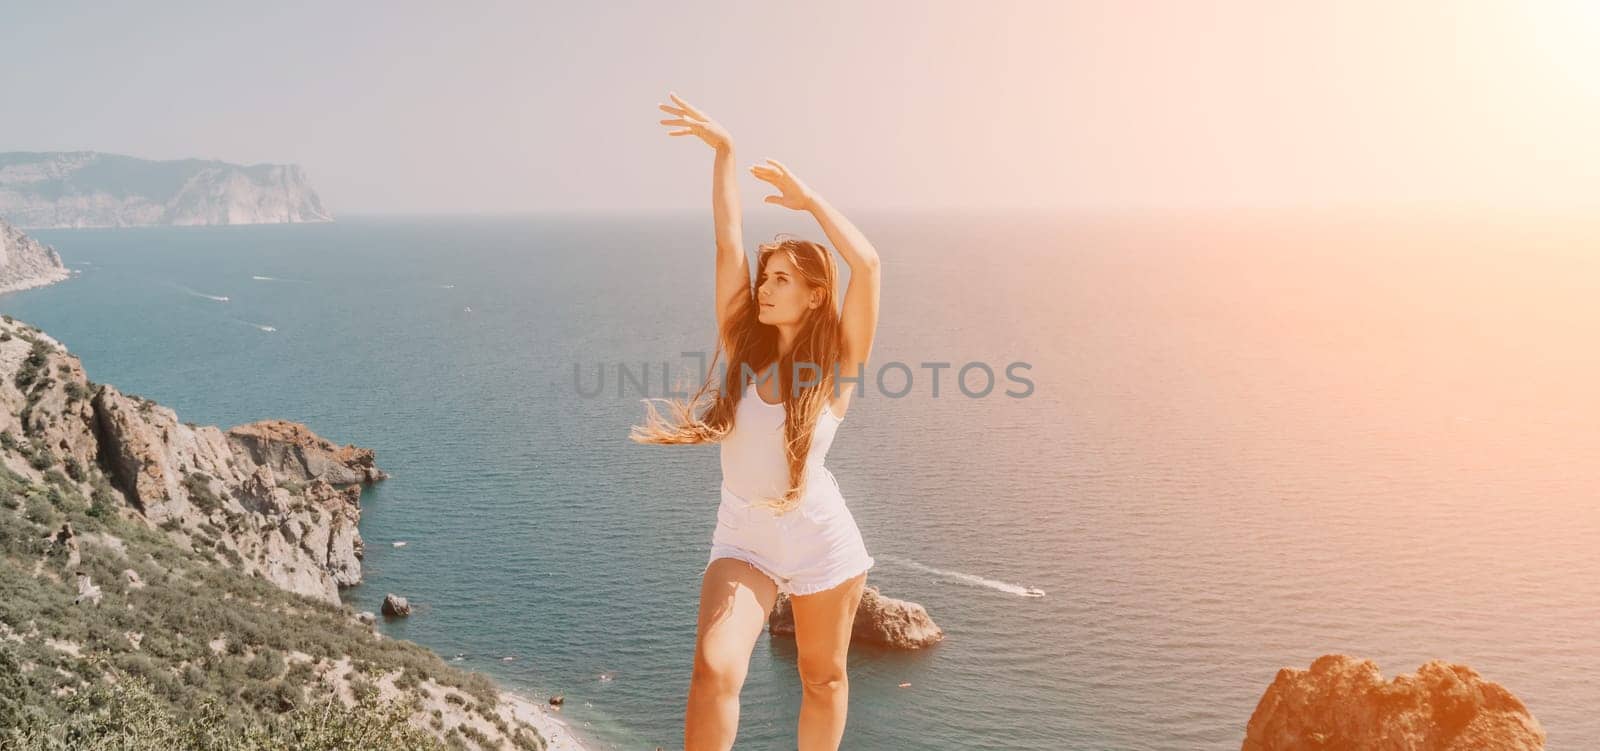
882	621
1344	703
395	605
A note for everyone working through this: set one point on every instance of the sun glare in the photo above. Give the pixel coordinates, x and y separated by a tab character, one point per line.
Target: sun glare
1567	34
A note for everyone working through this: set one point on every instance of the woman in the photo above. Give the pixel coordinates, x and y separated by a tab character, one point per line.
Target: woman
782	525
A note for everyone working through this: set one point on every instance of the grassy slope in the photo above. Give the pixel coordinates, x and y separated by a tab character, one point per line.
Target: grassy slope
199	647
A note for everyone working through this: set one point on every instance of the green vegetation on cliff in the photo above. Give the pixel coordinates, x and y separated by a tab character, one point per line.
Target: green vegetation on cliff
181	650
165	585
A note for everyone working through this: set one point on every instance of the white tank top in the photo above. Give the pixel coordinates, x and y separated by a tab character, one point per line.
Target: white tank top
754	464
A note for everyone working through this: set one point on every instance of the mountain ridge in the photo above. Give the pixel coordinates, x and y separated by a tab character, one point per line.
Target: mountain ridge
73	189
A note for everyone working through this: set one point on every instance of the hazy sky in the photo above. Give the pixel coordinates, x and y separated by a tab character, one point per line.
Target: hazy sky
480	107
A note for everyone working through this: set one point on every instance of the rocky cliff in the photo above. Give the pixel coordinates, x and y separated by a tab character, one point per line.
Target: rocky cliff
1344	703
271	498
90	189
189	577
24	262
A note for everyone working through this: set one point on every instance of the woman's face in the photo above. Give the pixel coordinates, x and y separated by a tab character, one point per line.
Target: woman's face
783	295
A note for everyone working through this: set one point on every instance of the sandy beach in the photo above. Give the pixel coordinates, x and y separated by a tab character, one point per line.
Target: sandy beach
555	729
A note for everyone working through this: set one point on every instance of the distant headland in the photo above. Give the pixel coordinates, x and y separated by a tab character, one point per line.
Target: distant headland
56	189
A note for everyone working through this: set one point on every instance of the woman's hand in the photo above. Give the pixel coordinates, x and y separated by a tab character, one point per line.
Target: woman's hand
793	194
696	123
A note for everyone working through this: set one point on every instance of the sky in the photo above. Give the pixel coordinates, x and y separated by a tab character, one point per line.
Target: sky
1128	104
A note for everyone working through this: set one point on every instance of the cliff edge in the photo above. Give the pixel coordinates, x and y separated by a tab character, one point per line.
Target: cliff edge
25	262
190	576
292	523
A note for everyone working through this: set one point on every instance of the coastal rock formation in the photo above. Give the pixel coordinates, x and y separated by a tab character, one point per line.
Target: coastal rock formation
1343	702
91	189
883	621
296	453
161	540
25	262
101	611
271	498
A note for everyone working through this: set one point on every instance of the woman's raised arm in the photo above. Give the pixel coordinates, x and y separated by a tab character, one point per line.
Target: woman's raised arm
733	268
859	316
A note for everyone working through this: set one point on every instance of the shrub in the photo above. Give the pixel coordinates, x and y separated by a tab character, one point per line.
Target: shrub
130	716
199	486
56	480
40	457
362	688
103	498
173	691
41	511
32	365
74	469
266	665
406	680
476	735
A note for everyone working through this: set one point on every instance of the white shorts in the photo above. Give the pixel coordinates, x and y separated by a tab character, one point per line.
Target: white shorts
815	547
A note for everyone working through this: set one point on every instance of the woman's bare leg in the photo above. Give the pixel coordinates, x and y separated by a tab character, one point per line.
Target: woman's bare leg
735	601
822	625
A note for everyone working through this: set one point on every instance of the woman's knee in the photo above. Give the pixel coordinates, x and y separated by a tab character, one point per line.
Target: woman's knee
735	601
720	670
822	674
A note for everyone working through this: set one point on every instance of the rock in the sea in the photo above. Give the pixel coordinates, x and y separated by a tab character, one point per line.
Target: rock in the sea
1344	703
25	262
90	189
394	604
883	621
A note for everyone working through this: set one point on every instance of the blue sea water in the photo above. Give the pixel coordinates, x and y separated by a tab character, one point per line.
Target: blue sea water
1250	441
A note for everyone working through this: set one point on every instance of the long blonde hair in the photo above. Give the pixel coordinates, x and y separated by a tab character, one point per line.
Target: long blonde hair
749	343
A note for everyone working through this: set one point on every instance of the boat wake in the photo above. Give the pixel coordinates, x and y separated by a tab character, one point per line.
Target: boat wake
218	298
981	581
253	324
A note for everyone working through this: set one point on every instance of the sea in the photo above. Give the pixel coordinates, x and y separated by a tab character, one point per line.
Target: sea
1220	443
